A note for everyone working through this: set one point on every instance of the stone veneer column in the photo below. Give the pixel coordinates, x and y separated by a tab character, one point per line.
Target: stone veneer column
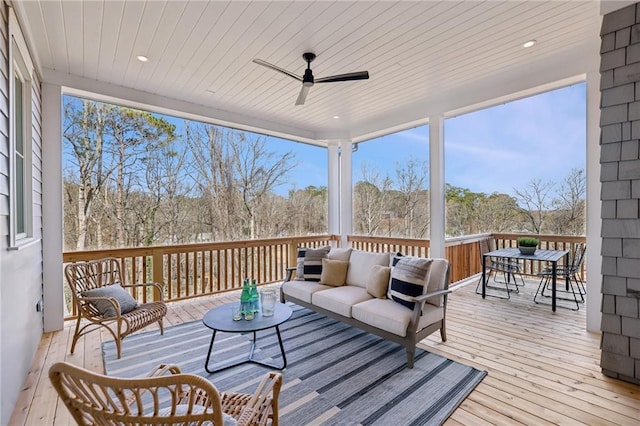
620	177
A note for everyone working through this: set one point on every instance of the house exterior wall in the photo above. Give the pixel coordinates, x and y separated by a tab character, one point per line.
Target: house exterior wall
20	269
620	177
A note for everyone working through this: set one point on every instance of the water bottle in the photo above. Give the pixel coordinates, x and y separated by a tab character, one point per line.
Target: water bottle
245	298
253	294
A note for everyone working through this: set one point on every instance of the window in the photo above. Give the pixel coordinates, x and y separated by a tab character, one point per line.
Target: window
20	195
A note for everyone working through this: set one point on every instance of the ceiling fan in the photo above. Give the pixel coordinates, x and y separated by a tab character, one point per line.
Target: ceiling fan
308	81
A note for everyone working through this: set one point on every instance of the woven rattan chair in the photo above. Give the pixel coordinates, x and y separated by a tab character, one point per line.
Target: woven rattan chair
84	277
164	397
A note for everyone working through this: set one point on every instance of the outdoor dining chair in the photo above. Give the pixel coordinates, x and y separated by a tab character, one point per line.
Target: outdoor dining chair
510	271
575	289
164	397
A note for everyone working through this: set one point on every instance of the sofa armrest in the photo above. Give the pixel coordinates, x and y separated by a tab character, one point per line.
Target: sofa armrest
419	304
290	271
423	298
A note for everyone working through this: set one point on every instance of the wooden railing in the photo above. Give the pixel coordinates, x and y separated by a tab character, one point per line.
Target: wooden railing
195	270
406	246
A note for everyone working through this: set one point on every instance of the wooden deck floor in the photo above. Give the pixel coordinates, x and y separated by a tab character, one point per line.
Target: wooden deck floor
543	367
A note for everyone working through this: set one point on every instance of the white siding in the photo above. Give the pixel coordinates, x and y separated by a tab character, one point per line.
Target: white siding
20	270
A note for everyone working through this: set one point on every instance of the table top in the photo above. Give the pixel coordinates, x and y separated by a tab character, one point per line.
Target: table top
221	319
540	254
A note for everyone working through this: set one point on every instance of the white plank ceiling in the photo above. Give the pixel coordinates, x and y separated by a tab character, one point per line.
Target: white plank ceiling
429	57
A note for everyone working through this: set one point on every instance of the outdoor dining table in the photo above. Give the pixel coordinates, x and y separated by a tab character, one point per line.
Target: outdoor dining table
551	256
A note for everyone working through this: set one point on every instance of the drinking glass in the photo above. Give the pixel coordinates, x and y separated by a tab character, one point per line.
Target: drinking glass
268	299
235	311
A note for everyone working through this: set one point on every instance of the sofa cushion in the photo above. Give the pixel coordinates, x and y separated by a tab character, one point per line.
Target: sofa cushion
378	282
302	290
105	307
360	264
340	299
393	317
309	265
409	279
340	253
334	272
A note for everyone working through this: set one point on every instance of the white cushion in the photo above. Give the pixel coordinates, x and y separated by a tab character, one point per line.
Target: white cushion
339	254
340	299
393	317
360	264
302	290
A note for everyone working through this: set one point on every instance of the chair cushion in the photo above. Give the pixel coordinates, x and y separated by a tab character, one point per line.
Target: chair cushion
378	282
360	264
409	279
334	272
302	290
309	265
126	301
340	299
393	317
183	409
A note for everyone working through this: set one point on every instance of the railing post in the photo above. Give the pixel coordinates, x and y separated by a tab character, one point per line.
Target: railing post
293	253
158	268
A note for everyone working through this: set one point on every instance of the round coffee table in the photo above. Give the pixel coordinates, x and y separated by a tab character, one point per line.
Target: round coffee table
221	319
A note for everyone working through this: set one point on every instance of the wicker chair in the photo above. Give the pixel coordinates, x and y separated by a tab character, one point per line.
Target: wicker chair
85	277
164	397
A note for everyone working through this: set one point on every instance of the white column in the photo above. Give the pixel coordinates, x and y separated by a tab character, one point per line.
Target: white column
333	152
594	204
346	190
52	220
436	185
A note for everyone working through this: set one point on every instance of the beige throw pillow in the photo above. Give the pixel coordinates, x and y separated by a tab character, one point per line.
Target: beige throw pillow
379	281
334	272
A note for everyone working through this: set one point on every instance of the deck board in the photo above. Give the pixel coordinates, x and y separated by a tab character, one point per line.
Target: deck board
543	367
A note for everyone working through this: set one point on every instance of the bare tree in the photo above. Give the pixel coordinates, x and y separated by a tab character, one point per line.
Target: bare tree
84	122
569	205
370	196
535	202
235	174
258	172
412	179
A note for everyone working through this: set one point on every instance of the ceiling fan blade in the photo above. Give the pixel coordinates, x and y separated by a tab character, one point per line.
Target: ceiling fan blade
302	96
276	68
360	75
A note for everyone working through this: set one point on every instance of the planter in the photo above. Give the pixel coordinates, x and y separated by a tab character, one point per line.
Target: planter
527	250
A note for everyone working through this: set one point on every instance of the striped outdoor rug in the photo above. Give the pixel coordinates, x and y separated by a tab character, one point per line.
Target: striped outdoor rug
336	374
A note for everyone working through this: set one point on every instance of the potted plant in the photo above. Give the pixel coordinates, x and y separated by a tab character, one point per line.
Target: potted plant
527	245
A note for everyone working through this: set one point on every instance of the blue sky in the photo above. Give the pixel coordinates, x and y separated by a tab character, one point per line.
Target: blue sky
492	150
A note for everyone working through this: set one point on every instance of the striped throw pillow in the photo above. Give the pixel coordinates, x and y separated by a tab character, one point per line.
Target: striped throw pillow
409	279
309	265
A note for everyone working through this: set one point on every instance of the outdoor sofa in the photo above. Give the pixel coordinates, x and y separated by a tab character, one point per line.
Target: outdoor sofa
400	298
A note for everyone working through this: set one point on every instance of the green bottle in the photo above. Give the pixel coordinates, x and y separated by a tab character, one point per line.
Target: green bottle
253	295
245	298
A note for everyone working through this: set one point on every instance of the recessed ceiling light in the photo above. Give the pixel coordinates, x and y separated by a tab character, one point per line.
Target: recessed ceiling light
529	43
336	116
142	58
